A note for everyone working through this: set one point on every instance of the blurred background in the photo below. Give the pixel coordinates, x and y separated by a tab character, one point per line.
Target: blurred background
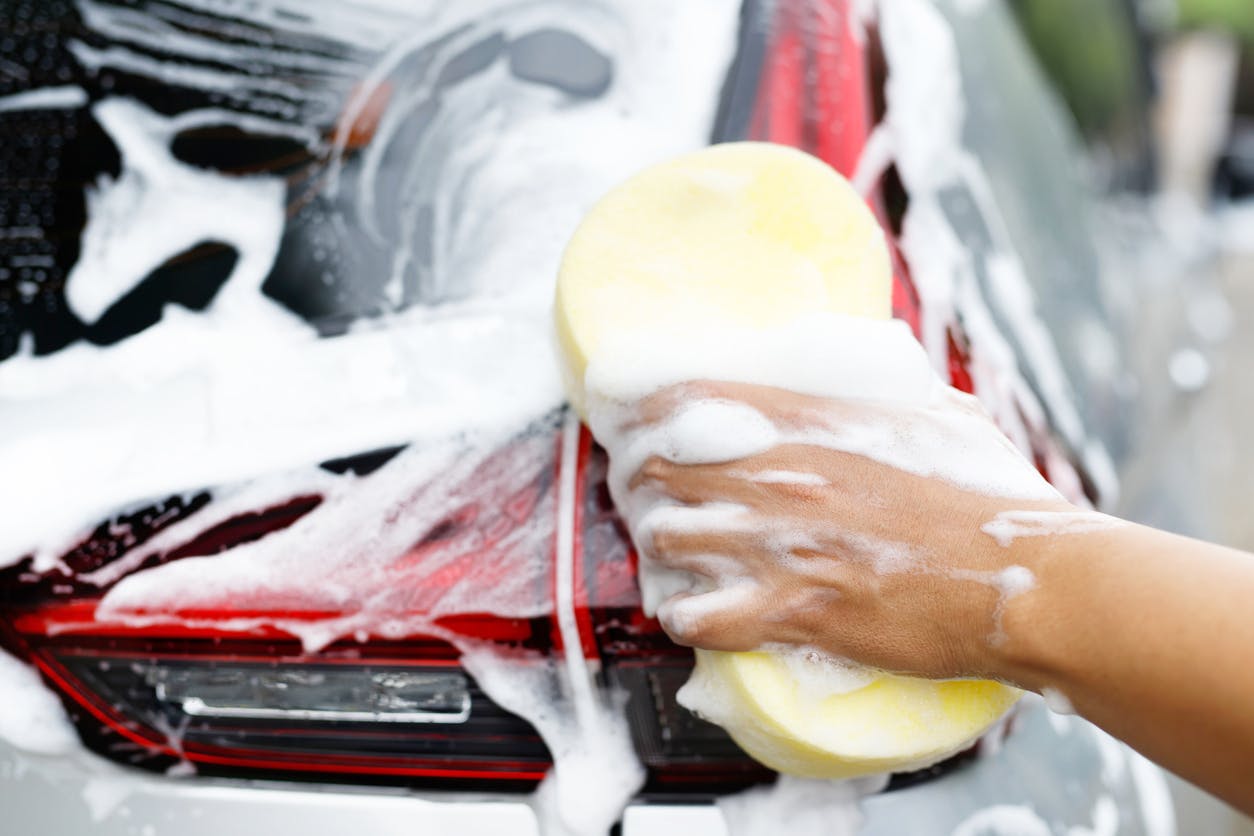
1204	129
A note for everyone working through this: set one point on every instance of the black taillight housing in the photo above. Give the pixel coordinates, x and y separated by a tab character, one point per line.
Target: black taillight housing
407	713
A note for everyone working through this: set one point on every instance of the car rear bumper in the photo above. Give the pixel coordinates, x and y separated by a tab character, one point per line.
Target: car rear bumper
1059	771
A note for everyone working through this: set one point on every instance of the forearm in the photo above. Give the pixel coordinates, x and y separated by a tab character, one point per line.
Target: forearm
1148	635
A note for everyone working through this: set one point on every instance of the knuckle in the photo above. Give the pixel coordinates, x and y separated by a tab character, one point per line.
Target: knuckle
656	468
679	624
665	542
804	493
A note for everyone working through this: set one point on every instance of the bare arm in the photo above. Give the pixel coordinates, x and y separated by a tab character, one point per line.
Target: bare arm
1147	634
1151	637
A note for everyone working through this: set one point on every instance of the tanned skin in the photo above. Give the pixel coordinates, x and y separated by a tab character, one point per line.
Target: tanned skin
1149	635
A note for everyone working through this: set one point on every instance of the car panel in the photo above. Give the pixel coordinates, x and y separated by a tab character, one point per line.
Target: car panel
1068	774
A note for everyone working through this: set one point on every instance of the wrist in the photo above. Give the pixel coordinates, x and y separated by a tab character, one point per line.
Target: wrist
1047	630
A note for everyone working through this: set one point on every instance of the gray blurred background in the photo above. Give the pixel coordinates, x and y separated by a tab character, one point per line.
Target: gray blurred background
1205	135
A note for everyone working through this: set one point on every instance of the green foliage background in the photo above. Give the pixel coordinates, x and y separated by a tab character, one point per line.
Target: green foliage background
1237	15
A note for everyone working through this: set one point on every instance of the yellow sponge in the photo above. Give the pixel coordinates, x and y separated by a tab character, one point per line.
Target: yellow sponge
756	235
747	233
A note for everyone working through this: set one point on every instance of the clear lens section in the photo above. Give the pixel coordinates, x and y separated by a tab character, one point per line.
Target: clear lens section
341	695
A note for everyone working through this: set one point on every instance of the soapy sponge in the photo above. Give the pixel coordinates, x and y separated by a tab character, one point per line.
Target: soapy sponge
747	233
753	235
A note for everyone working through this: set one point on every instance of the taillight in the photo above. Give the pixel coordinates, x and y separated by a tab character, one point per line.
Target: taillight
317	693
228	689
221	682
406	712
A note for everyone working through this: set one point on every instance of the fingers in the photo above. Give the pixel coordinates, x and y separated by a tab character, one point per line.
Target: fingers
671	533
660	405
717	620
694	484
791	480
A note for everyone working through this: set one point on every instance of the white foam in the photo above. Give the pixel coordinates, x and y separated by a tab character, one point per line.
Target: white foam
355	553
1105	819
1158	815
812	355
821	354
1004	820
44	98
800	806
1009	582
1057	701
595	770
708	431
781	477
32	719
159	207
1009	526
683	615
820	675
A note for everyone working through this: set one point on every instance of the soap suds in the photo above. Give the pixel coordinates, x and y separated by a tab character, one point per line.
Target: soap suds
1004	820
799	806
706	431
781	477
1105	820
1057	701
32	719
1010	583
167	201
660	39
595	770
1009	526
819	675
808	356
1158	814
684	614
44	98
374	573
798	356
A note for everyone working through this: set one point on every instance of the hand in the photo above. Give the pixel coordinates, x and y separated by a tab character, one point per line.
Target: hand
808	543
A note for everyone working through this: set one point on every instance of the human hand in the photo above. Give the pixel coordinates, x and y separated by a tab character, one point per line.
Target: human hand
807	527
